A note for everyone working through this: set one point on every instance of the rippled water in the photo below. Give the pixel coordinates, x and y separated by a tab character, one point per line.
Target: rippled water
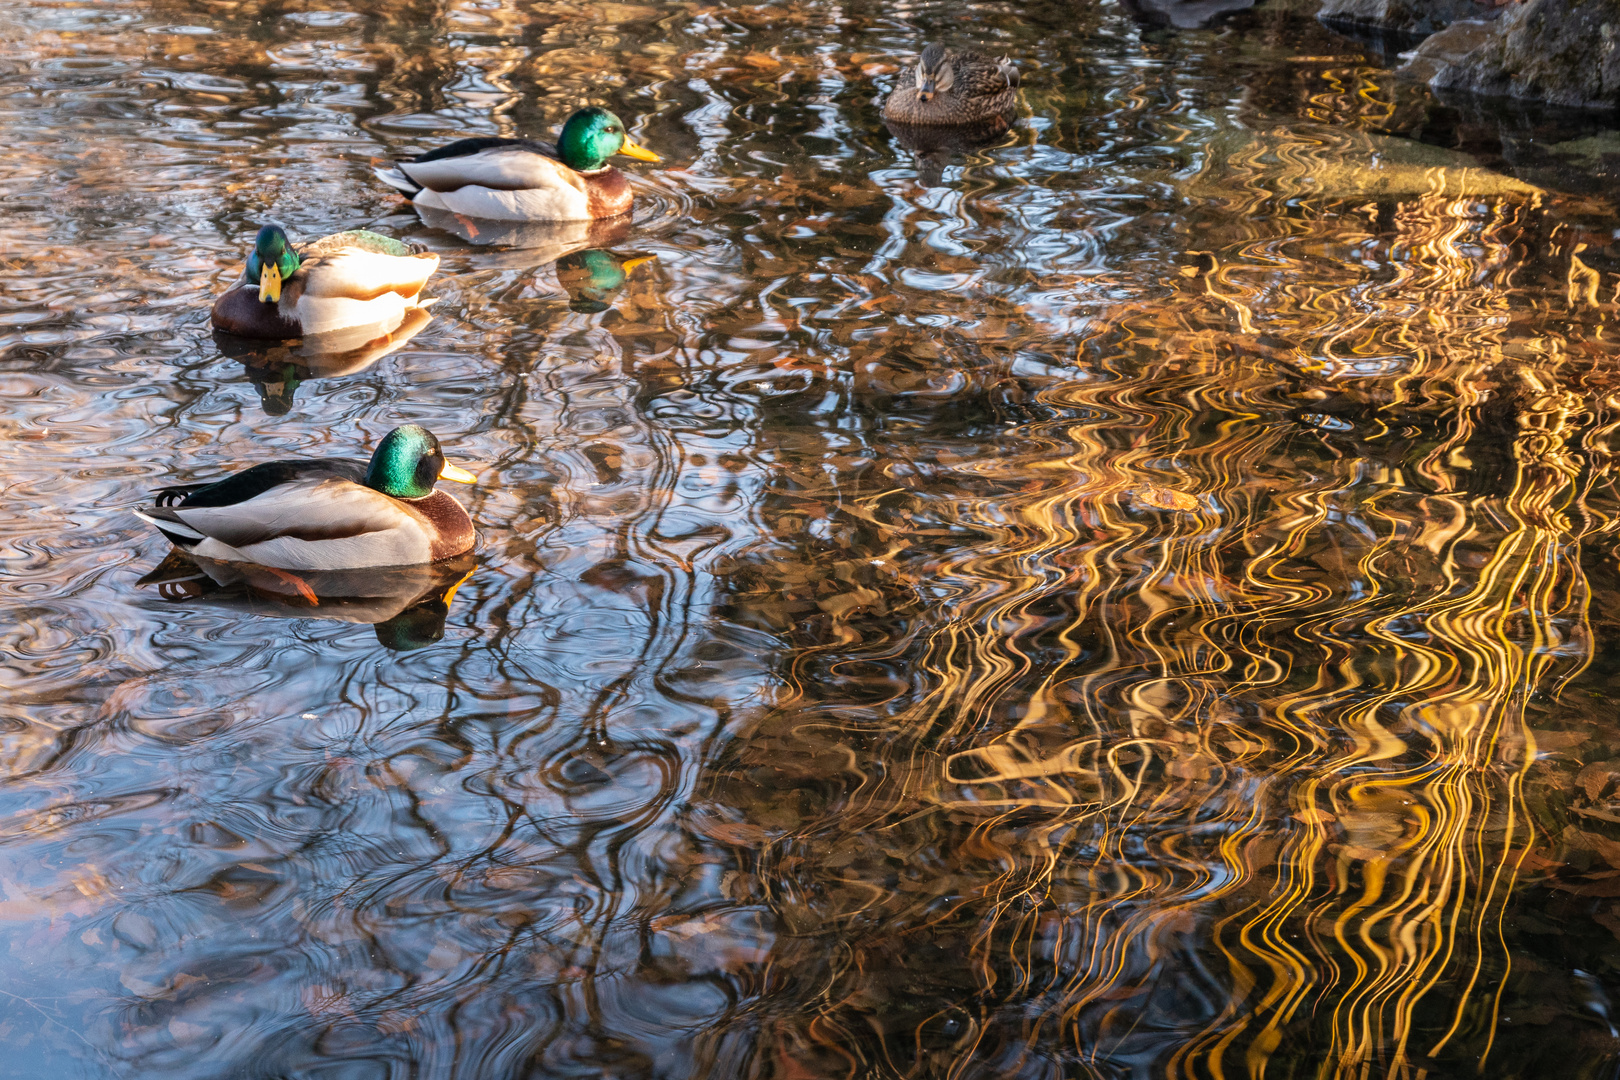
1131	599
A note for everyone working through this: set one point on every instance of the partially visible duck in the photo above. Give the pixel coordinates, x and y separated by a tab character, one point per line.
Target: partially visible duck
522	180
339	282
948	87
325	514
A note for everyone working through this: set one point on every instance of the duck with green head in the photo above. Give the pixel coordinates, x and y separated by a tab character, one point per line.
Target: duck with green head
349	281
522	180
325	514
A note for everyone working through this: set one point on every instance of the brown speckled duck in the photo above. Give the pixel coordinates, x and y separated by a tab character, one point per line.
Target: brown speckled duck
947	88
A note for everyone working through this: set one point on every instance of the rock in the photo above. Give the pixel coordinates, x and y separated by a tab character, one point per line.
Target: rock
1564	52
1449	48
1182	14
1305	160
1400	16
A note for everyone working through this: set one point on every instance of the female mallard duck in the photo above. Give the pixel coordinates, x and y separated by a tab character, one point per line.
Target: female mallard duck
520	180
949	88
342	281
332	514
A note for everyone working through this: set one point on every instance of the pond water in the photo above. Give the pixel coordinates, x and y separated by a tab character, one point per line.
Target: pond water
1133	598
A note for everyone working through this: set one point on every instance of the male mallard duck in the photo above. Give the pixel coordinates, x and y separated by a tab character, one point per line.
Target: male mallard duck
949	88
521	180
333	514
346	280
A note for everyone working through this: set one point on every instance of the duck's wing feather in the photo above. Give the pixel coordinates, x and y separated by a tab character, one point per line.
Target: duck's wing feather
310	509
362	240
313	521
253	482
358	271
500	164
466	147
979	75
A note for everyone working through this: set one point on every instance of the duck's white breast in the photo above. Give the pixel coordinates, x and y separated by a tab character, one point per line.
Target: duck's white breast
533	204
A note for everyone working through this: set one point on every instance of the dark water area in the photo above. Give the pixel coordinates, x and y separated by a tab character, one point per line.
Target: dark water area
1132	598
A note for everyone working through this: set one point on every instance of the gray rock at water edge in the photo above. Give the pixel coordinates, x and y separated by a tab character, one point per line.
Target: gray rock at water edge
1399	16
1182	14
1564	52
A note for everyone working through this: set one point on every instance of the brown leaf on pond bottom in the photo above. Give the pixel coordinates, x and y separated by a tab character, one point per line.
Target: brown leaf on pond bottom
1163	498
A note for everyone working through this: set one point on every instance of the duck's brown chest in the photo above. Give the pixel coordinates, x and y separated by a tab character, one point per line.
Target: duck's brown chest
607	193
239	311
450	530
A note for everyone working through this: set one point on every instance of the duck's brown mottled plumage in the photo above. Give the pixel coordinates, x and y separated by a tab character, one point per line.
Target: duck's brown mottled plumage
949	88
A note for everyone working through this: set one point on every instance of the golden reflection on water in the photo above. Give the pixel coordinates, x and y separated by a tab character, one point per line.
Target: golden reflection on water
1126	599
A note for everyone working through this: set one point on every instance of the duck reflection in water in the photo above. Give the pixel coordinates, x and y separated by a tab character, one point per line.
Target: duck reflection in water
591	278
406	605
586	270
276	369
934	146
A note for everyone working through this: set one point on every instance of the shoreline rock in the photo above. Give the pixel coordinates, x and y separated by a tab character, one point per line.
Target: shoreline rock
1563	52
1412	17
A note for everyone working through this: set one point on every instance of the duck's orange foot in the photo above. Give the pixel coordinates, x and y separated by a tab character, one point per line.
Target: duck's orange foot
298	583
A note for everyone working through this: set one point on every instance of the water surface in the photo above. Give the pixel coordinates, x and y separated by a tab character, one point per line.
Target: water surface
1130	599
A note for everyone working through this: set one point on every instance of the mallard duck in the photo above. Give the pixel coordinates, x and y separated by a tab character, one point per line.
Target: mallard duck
332	514
948	88
339	282
521	180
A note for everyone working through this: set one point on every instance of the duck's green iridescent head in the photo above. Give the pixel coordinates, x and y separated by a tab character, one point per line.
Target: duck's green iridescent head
272	261
408	461
593	135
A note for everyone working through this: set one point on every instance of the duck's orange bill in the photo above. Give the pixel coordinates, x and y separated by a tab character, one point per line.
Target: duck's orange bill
640	153
459	475
631	264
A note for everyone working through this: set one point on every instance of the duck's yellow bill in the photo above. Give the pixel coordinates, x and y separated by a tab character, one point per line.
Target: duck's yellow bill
459	475
637	151
270	284
631	264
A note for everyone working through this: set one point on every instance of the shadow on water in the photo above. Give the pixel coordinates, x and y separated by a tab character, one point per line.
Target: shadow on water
407	605
1135	604
277	369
